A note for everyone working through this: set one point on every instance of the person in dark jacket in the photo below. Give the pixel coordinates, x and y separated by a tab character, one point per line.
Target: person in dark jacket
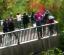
25	20
44	21
5	26
32	18
11	27
10	24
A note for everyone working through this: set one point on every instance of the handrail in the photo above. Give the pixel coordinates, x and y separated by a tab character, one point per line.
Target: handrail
29	28
23	35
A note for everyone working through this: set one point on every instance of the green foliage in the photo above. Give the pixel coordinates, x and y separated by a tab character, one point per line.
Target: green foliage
61	39
22	6
55	51
56	7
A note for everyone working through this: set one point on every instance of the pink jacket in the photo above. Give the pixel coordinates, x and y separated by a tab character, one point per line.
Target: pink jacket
38	16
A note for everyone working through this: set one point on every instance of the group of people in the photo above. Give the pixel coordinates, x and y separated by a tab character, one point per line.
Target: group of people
24	20
42	19
21	21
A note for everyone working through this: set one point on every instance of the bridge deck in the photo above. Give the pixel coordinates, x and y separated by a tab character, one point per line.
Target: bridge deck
22	36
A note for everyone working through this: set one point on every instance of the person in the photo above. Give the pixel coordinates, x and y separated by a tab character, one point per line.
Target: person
32	19
11	28
11	24
38	23
5	26
44	21
51	27
45	18
29	19
18	17
25	20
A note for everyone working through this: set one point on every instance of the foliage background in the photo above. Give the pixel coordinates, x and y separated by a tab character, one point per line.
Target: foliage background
55	6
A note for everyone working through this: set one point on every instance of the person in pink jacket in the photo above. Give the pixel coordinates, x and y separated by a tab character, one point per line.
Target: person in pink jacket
38	19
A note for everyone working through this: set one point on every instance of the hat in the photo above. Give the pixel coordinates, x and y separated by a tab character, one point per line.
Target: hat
51	17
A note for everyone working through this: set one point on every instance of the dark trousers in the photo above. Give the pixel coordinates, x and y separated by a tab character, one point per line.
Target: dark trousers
25	25
19	24
51	29
39	29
